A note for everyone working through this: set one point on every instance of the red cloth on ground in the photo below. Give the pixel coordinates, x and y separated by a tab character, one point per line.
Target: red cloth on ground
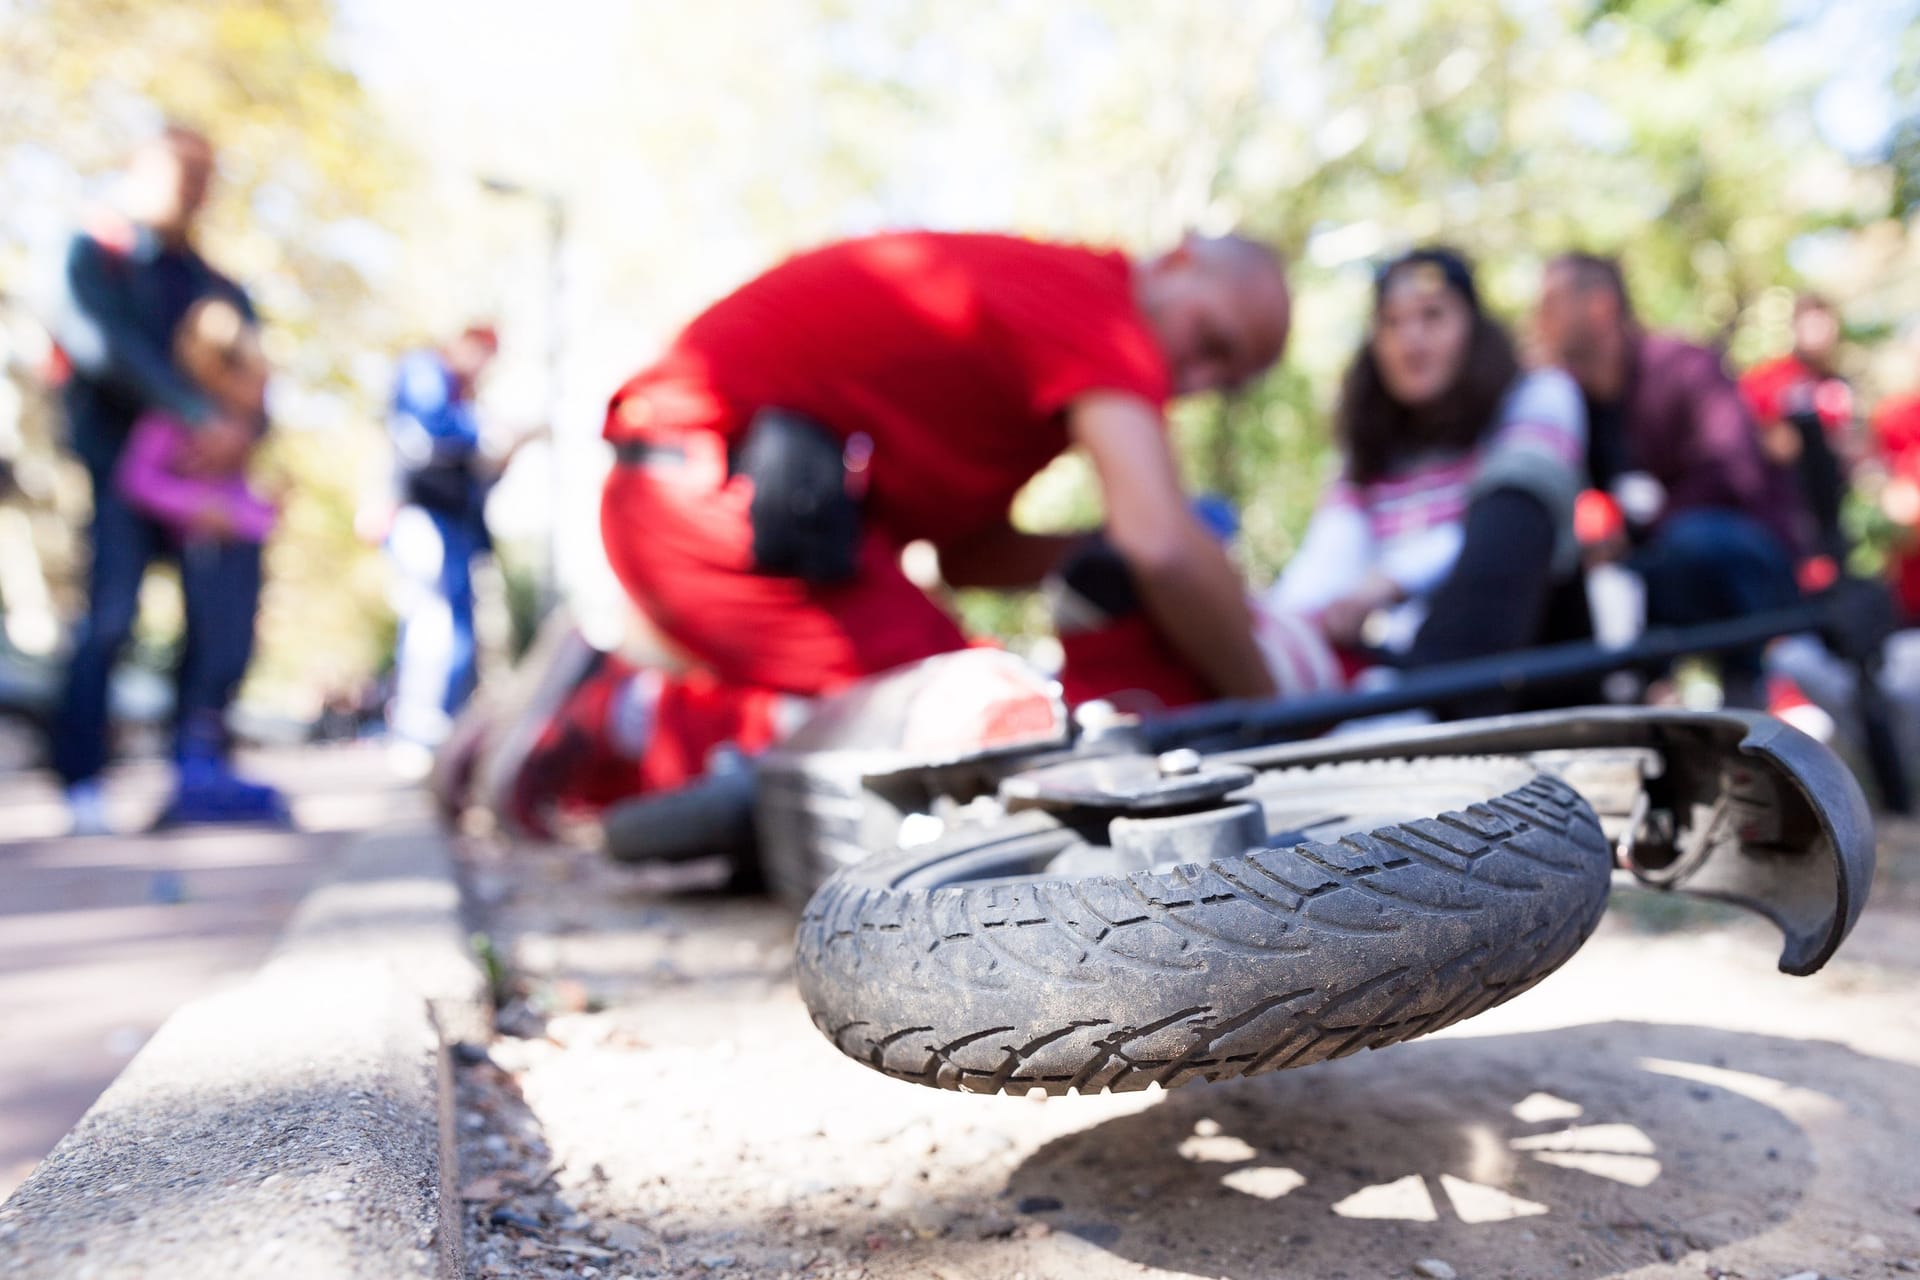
693	714
589	773
697	713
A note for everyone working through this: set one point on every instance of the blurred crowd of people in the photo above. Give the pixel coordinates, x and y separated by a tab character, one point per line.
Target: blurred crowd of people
773	464
900	388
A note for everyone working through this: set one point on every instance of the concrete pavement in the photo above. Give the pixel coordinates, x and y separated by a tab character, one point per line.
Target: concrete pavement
101	939
298	1122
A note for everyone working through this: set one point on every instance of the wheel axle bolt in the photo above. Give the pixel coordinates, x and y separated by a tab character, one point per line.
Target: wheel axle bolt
1181	763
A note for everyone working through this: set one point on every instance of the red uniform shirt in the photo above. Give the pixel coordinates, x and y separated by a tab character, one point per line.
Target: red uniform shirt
1896	432
1771	387
956	355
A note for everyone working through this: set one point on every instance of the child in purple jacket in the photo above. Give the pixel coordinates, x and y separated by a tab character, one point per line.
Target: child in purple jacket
217	347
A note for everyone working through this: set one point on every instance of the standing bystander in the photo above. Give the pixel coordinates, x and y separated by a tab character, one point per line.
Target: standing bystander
437	532
129	280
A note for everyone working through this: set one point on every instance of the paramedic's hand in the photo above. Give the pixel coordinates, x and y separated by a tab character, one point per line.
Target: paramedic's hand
1781	443
1344	620
212	523
219	447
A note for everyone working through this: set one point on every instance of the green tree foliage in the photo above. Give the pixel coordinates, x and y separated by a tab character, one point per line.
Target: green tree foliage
694	145
1679	135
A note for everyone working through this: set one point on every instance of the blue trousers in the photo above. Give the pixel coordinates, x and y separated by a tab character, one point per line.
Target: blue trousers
433	556
221	585
1714	566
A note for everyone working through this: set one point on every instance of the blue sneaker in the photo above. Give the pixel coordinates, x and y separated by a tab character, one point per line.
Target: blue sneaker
210	793
87	810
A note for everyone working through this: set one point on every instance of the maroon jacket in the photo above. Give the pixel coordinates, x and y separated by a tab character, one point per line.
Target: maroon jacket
1684	422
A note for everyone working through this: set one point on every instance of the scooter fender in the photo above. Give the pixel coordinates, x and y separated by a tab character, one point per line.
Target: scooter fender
1737	806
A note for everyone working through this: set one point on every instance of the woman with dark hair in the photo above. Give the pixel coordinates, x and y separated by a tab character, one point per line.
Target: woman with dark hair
1452	513
1441	537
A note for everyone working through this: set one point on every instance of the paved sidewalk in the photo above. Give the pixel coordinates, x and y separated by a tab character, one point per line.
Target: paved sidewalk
1668	1105
101	939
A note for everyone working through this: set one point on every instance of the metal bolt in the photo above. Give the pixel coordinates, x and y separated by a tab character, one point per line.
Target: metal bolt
1099	721
1180	763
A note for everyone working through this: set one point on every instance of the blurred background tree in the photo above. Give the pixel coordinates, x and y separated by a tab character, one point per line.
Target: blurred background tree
1734	151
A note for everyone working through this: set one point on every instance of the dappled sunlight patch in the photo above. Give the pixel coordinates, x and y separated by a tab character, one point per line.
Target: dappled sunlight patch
1617	1138
1216	1149
1208	1144
1402	1200
1487	1160
1475	1203
1538	1108
1632	1171
1792	1100
1620	1153
1264	1182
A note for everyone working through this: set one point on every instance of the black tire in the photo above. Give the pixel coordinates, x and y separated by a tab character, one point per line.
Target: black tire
950	966
712	817
810	824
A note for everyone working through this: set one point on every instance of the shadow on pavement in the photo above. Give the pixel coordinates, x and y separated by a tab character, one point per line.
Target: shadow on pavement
1582	1152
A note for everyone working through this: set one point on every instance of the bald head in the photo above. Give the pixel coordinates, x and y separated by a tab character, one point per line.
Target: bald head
1219	307
167	180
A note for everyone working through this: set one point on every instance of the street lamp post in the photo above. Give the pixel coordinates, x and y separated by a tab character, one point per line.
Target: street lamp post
556	211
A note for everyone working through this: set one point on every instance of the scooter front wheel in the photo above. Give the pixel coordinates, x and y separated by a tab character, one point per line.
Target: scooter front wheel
1374	901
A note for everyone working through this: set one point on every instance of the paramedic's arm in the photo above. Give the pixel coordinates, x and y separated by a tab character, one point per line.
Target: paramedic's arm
1190	588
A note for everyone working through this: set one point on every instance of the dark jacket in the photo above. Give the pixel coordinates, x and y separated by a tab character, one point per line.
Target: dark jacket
1682	420
122	293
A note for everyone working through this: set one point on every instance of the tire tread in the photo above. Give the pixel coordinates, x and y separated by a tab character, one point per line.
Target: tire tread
1271	959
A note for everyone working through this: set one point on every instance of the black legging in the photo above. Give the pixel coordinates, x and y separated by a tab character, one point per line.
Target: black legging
1495	599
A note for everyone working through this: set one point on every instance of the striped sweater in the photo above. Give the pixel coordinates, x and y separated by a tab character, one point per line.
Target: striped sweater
1409	524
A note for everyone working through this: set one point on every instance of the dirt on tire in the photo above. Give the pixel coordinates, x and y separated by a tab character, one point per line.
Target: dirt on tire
1276	958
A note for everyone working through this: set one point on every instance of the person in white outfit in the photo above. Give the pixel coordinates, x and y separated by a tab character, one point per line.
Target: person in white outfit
1447	523
1451	513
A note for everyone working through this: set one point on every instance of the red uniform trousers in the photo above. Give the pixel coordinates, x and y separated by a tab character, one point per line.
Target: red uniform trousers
677	536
